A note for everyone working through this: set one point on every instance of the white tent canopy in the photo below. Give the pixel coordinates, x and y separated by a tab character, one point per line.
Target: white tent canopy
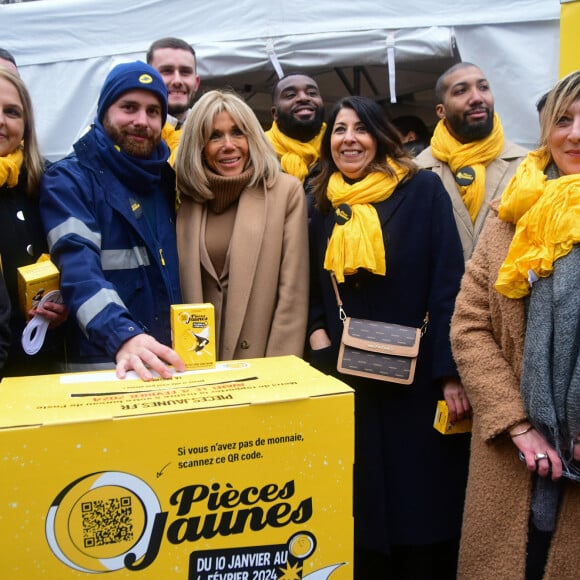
384	50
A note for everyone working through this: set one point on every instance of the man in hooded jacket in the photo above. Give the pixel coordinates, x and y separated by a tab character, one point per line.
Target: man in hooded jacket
108	211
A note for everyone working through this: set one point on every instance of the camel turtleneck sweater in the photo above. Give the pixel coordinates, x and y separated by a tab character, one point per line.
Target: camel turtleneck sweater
218	224
221	214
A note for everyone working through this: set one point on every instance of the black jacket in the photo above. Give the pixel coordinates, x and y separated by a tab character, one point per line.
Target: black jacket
22	240
4	323
409	479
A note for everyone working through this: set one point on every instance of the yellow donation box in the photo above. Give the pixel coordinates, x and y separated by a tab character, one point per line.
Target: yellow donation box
242	472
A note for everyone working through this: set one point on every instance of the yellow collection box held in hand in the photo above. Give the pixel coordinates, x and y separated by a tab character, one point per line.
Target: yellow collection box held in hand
193	334
35	281
444	425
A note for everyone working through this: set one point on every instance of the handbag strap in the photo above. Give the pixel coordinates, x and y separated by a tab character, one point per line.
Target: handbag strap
342	313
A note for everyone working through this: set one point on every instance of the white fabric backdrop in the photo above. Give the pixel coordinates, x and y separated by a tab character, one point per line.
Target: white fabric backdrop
65	48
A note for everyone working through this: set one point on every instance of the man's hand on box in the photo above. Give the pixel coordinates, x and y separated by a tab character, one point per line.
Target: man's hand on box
143	353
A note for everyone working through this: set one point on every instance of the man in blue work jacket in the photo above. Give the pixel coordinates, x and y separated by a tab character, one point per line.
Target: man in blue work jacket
108	212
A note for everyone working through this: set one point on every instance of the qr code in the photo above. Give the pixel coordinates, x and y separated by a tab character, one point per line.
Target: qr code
107	521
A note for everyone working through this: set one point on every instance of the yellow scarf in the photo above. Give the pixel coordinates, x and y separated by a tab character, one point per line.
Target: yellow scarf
358	243
547	217
171	136
296	158
477	155
10	168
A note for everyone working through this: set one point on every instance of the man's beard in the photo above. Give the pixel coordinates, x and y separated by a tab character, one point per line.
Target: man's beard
177	110
122	139
300	130
472	131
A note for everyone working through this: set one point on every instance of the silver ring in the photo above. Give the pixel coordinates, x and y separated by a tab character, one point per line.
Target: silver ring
539	456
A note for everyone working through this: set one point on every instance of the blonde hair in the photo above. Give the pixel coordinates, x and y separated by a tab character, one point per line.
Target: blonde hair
33	162
189	161
558	101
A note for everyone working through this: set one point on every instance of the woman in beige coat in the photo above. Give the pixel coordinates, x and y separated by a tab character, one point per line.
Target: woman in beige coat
522	518
241	231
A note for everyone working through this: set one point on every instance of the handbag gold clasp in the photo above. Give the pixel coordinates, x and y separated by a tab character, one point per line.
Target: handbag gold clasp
424	325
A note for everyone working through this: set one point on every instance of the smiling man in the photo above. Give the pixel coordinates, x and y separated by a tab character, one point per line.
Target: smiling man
108	211
298	126
468	149
176	62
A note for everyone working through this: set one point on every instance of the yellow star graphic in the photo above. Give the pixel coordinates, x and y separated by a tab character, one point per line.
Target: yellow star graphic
291	572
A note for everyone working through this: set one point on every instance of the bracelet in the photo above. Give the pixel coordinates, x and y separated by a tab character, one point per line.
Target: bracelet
522	432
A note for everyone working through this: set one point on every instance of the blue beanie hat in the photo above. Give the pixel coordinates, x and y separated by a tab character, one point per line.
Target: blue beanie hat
128	77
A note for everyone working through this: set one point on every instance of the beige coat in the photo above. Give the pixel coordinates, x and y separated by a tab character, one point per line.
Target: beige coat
267	289
497	176
487	334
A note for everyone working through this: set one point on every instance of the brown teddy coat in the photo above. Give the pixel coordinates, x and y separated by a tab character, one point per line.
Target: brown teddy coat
487	335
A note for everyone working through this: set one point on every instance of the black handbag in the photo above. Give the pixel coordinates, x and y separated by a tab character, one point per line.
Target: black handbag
378	350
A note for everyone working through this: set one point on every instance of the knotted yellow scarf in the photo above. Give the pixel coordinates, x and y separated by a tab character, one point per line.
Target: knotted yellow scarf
10	168
547	217
358	243
296	158
477	155
171	136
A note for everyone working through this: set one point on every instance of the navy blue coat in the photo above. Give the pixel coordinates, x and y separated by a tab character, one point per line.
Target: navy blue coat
409	478
4	322
117	258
